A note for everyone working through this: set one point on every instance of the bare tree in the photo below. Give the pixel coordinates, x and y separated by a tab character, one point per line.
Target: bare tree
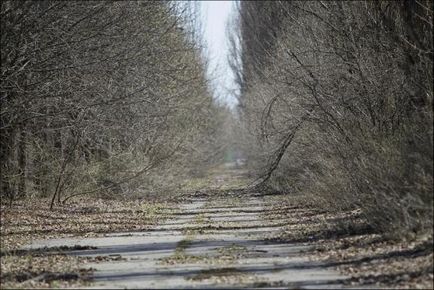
337	100
95	95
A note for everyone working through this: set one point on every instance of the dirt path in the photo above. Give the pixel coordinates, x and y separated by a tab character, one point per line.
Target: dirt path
209	242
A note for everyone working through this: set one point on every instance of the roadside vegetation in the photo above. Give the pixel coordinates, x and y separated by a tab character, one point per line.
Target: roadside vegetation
102	98
336	105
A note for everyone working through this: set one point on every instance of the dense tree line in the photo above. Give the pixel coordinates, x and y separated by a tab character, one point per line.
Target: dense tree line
336	103
97	94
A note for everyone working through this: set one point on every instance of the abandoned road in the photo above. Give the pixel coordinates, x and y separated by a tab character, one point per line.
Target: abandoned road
207	242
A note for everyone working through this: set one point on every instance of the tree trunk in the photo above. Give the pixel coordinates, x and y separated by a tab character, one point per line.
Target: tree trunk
22	162
6	157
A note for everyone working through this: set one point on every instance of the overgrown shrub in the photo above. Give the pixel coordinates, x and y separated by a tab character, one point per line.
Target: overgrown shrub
97	94
336	103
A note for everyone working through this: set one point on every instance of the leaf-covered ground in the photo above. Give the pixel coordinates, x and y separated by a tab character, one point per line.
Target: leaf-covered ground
342	241
347	243
30	220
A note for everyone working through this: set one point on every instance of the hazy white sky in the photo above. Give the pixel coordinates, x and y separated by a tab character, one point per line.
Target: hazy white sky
214	16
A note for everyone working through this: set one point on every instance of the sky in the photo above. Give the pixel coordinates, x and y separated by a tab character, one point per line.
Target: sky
214	18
